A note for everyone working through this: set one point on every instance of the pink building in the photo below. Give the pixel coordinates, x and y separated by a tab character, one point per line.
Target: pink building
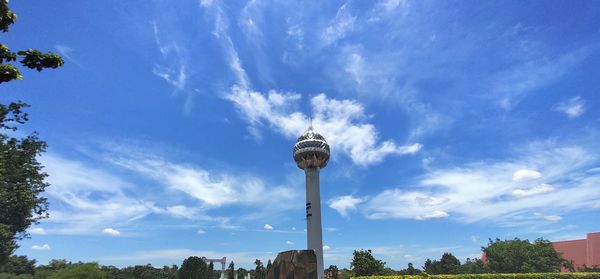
581	251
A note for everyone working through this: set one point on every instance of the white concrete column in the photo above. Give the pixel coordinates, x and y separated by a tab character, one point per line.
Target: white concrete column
313	217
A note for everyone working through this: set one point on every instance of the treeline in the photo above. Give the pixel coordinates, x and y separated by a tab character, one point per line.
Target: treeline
191	268
499	256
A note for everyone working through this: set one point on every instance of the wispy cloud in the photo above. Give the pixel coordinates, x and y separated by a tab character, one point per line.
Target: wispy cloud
211	188
573	107
512	85
172	66
340	25
87	198
491	189
66	51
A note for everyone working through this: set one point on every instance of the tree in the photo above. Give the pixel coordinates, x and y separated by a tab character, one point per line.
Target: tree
259	272
241	273
269	265
21	175
364	264
521	256
474	266
448	264
193	268
332	272
410	270
79	271
18	265
231	271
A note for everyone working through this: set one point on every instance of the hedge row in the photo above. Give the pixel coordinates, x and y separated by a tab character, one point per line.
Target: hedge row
574	275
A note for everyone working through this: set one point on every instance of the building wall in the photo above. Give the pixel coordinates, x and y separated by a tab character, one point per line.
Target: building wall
581	251
574	250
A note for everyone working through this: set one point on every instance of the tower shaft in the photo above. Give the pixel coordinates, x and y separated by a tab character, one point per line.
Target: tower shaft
314	231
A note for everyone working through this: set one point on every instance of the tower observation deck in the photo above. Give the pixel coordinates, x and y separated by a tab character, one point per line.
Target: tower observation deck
311	153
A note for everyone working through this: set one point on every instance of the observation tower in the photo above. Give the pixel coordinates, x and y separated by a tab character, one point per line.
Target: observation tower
311	153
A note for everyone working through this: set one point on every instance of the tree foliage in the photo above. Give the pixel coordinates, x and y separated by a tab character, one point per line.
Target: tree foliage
79	271
21	175
30	58
521	256
18	265
260	272
332	272
21	180
448	264
410	270
231	271
193	268
364	264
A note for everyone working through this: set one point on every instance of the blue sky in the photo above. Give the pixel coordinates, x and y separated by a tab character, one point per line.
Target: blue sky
170	127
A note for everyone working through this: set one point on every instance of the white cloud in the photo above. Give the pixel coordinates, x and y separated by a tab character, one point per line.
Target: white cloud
573	107
475	238
175	77
436	214
340	122
544	188
88	197
65	51
343	204
175	72
553	218
38	231
268	227
182	211
200	231
211	188
486	191
526	175
44	247
340	25
511	85
431	201
111	232
289	242
326	248
355	67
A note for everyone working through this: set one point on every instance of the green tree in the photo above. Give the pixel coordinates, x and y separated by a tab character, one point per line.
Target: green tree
474	266
79	271
18	265
332	272
21	176
193	268
410	270
521	256
448	264
211	266
269	266
231	271
241	273
259	272
364	264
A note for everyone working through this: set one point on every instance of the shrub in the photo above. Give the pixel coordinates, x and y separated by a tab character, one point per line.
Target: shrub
574	275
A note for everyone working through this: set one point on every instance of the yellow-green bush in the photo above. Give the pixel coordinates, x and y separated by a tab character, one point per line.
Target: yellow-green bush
574	275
